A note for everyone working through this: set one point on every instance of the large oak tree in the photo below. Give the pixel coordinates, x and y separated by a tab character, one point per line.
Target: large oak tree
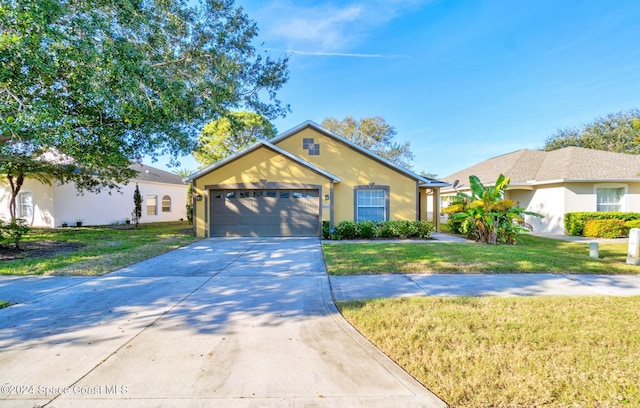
88	86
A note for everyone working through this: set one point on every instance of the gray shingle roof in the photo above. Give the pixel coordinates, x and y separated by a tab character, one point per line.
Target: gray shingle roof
569	163
148	173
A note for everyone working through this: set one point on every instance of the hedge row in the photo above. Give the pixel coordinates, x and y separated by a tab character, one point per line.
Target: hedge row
574	222
382	229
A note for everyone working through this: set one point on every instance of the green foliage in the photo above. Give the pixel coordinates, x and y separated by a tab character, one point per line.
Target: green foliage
14	231
326	230
383	229
485	215
367	229
574	222
347	230
137	207
87	87
375	135
231	133
632	224
617	132
605	228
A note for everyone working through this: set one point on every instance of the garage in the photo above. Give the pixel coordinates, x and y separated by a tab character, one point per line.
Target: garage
265	213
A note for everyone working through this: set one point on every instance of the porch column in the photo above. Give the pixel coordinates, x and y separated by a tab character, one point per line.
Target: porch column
436	208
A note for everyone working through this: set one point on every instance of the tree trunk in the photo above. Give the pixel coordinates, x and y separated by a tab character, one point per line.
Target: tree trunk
16	185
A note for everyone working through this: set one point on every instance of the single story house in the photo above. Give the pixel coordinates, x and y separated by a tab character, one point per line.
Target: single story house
288	185
560	181
164	198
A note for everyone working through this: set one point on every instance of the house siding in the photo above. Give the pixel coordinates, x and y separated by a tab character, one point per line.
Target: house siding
355	169
253	170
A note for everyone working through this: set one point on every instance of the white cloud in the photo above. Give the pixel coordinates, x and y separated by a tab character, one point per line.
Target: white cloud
325	27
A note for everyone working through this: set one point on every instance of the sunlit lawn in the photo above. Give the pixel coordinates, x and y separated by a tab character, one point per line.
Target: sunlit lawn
512	352
533	254
101	249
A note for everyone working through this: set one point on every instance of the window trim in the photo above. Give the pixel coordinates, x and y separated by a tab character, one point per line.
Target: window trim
147	205
21	194
165	198
372	186
623	199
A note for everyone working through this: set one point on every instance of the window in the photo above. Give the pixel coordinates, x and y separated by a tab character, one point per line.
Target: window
152	205
609	199
166	204
25	200
371	204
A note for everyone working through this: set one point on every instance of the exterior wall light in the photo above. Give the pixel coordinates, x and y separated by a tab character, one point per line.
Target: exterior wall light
326	197
199	197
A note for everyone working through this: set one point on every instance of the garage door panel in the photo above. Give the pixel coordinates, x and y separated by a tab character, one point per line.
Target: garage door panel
265	213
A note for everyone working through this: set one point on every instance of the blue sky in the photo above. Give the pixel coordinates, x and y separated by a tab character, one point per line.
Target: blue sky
461	80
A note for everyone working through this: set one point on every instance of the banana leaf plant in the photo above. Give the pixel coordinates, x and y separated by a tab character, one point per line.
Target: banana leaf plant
486	215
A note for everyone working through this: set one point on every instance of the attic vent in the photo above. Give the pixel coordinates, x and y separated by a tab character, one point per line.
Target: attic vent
309	145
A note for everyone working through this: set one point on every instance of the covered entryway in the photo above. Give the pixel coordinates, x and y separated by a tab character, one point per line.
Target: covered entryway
265	213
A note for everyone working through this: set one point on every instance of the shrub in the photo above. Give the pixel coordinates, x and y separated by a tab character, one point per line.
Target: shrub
326	230
574	222
347	230
367	229
14	231
604	228
631	224
424	229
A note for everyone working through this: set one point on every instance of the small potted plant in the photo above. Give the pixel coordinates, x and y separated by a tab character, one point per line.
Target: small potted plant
79	223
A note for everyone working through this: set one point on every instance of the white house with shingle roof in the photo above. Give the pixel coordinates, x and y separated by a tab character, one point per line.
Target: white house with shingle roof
560	181
164	198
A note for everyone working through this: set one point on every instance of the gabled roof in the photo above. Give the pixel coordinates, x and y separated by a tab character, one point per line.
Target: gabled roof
567	164
425	181
151	174
256	146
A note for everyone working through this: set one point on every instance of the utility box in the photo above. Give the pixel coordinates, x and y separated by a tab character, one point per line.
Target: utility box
633	253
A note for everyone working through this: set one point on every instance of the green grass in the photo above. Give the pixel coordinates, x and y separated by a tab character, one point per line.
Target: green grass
533	254
103	249
512	352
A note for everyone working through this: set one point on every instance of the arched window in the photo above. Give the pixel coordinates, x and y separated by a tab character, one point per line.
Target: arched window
166	204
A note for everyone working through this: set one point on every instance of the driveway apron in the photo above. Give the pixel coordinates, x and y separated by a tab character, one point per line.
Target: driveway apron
222	322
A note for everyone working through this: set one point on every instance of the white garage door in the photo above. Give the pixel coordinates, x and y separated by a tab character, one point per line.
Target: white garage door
265	213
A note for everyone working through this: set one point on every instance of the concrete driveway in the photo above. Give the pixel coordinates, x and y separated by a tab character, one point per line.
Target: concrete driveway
221	322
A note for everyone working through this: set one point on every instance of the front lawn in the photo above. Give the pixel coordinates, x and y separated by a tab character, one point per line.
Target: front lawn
93	250
533	254
512	352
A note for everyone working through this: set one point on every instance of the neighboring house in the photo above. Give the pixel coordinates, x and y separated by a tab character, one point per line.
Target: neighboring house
164	198
560	181
288	185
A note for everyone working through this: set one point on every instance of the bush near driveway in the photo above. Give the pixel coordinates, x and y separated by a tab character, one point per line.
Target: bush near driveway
383	229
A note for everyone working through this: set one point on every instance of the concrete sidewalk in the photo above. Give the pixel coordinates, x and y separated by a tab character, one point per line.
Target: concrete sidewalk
221	322
404	285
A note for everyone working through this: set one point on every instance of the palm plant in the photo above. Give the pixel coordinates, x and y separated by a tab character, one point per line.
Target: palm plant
486	215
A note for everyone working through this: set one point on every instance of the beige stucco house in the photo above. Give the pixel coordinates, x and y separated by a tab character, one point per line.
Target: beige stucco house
164	196
288	185
560	181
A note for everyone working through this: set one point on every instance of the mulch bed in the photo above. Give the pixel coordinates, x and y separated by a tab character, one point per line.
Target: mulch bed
37	249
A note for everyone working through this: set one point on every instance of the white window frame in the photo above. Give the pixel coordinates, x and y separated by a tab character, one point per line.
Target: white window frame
21	206
166	198
384	206
623	199
154	199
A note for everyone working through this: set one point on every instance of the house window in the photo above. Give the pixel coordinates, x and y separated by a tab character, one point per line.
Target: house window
372	204
609	199
166	204
152	205
26	206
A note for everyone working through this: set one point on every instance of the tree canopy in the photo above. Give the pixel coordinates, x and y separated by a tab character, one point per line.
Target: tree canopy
617	132
226	135
374	134
103	83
